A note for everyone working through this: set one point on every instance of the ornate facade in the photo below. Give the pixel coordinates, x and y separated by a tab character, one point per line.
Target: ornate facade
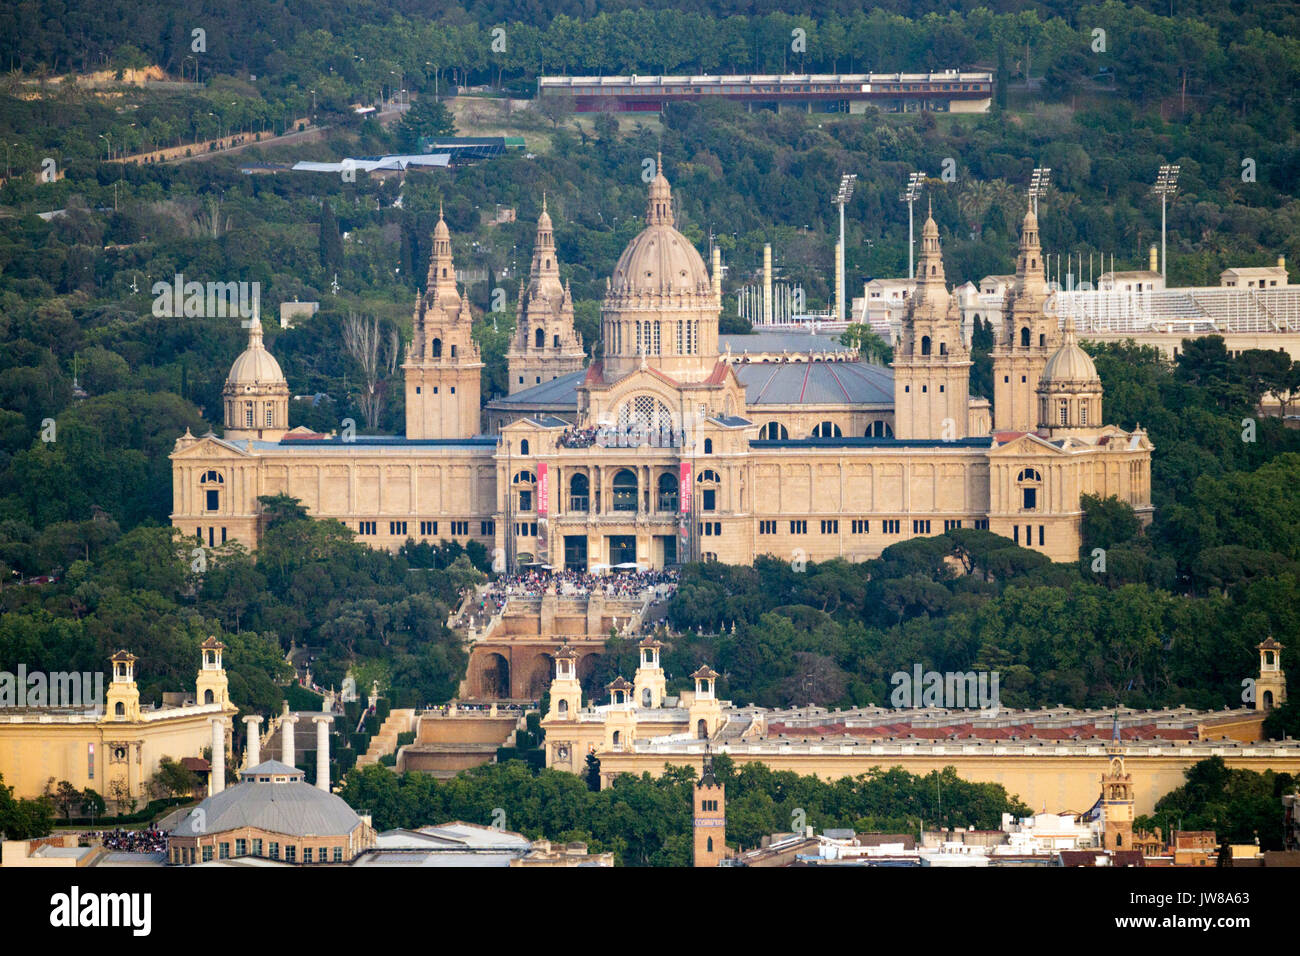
674	445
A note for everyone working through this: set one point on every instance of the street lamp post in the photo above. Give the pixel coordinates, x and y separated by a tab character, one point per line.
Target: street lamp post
915	182
841	198
1166	184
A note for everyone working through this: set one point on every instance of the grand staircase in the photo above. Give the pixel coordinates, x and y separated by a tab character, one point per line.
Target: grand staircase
385	742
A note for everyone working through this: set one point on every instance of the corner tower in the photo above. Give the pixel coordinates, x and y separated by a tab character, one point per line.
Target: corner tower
1029	337
442	363
545	345
932	363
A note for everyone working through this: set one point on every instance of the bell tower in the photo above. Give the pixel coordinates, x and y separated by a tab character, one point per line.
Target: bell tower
1029	337
1270	688
1116	798
123	696
212	686
648	683
443	363
932	363
709	820
566	692
545	345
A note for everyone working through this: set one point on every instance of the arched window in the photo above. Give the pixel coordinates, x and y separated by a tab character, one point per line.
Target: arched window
618	738
523	446
437	348
207	697
625	491
708	485
645	697
1024	337
1064	412
827	430
525	482
708	446
702	729
563	707
1083	412
879	429
772	431
210	483
579	493
1029	481
668	491
119	709
643	415
539	338
925	345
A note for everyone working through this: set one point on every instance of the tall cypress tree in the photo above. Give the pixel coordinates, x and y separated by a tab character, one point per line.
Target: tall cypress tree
331	245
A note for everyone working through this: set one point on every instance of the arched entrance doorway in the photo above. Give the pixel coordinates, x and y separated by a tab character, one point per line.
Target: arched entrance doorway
494	677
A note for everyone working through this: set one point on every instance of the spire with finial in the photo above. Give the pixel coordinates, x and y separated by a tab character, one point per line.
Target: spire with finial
659	210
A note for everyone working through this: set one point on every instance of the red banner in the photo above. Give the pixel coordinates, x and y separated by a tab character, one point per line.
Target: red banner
543	490
684	497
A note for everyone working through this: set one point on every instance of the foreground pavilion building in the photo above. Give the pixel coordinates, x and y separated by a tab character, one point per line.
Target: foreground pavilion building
677	443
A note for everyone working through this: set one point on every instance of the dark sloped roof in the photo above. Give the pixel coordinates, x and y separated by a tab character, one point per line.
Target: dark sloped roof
558	391
816	383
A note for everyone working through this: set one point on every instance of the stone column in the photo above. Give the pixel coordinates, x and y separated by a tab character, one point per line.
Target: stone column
323	752
253	741
217	778
287	754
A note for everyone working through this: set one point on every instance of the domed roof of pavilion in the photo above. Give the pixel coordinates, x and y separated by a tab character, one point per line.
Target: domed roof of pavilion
255	365
660	263
1069	364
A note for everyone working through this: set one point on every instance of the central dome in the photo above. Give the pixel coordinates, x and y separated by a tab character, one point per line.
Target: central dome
660	262
1070	364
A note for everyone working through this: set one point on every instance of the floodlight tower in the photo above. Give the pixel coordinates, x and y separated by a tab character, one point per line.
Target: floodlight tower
914	184
1166	184
1038	184
841	199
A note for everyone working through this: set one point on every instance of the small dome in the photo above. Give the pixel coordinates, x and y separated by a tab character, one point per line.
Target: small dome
1070	364
255	365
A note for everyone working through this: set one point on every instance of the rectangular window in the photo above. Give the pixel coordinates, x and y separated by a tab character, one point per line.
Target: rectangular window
487	528
798	527
890	526
225	851
214	500
291	854
367	527
428	527
950	524
459	527
223	535
257	846
397	527
306	854
981	524
830	527
1041	535
767	527
920	526
861	526
90	761
1015	533
241	847
270	417
273	850
338	854
248	415
207	854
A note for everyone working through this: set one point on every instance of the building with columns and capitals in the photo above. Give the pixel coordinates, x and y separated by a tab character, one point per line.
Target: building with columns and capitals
677	443
116	744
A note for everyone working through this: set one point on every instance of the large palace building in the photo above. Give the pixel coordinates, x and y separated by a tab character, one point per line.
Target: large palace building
677	444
